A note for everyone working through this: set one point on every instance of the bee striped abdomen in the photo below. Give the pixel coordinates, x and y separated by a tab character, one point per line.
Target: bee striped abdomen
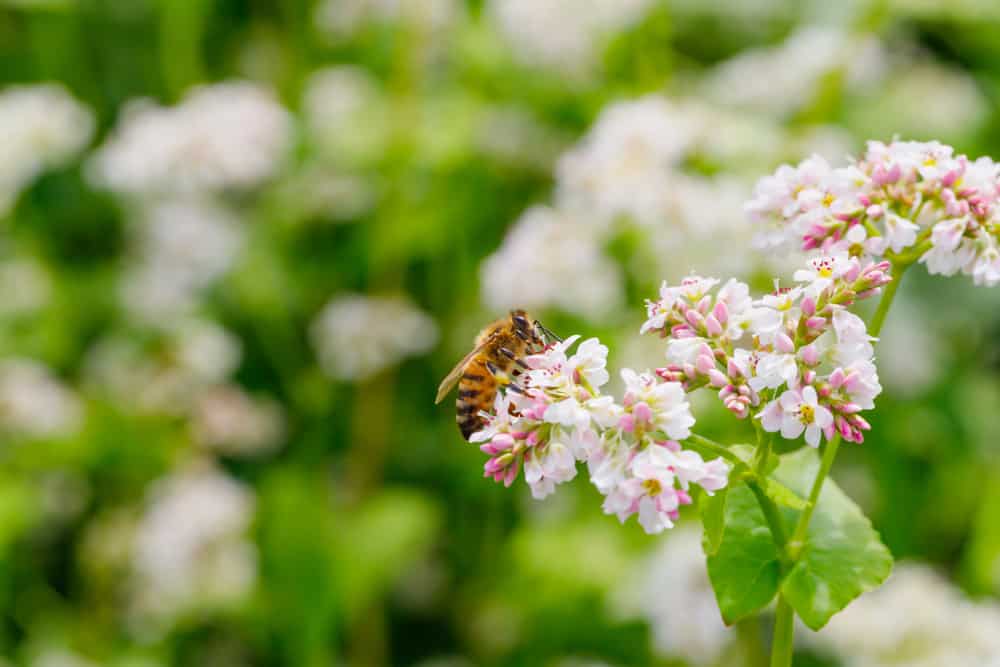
476	391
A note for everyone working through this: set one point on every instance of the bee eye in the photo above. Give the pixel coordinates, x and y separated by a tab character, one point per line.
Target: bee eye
520	322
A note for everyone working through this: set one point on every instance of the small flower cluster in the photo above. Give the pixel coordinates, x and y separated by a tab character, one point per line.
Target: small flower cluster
904	196
556	417
796	359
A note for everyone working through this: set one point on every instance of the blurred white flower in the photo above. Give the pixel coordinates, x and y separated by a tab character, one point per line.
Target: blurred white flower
58	657
916	619
228	420
563	35
41	127
35	403
24	286
672	592
227	135
796	68
924	100
195	356
191	546
357	336
339	19
623	165
183	247
550	260
346	114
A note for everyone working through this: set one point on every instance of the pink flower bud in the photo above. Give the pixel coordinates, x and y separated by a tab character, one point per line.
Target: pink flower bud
510	476
683	497
732	369
784	343
682	331
704	304
809	355
849	408
837	378
809	377
721	312
502	441
816	322
690	371
642	412
853	272
809	306
627	423
672	445
695	319
875	211
717	379
704	363
713	326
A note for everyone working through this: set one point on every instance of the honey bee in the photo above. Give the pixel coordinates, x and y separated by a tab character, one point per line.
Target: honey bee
493	362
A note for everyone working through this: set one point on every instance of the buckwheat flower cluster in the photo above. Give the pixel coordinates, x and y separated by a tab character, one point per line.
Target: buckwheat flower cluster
797	359
228	135
556	417
901	198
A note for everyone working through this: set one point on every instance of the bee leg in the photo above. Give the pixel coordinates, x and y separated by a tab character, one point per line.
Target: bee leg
546	332
498	373
513	357
514	387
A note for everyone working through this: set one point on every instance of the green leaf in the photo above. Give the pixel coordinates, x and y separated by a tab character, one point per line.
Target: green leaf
782	495
843	556
713	518
745	571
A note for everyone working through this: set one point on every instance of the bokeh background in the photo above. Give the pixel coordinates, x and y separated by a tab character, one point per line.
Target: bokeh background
241	241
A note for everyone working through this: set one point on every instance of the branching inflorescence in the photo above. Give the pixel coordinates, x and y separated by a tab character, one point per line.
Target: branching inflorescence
795	362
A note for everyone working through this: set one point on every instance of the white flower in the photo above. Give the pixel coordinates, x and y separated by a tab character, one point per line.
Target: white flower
799	411
548	260
916	618
671	579
590	361
35	403
41	126
357	336
561	34
649	490
900	233
554	465
228	420
796	68
985	268
191	546
821	272
228	135
671	412
773	370
183	246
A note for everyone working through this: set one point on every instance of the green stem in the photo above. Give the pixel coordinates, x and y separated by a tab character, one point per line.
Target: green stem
772	515
799	536
700	442
784	632
886	301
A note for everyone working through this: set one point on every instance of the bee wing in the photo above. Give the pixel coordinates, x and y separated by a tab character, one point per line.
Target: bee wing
450	380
